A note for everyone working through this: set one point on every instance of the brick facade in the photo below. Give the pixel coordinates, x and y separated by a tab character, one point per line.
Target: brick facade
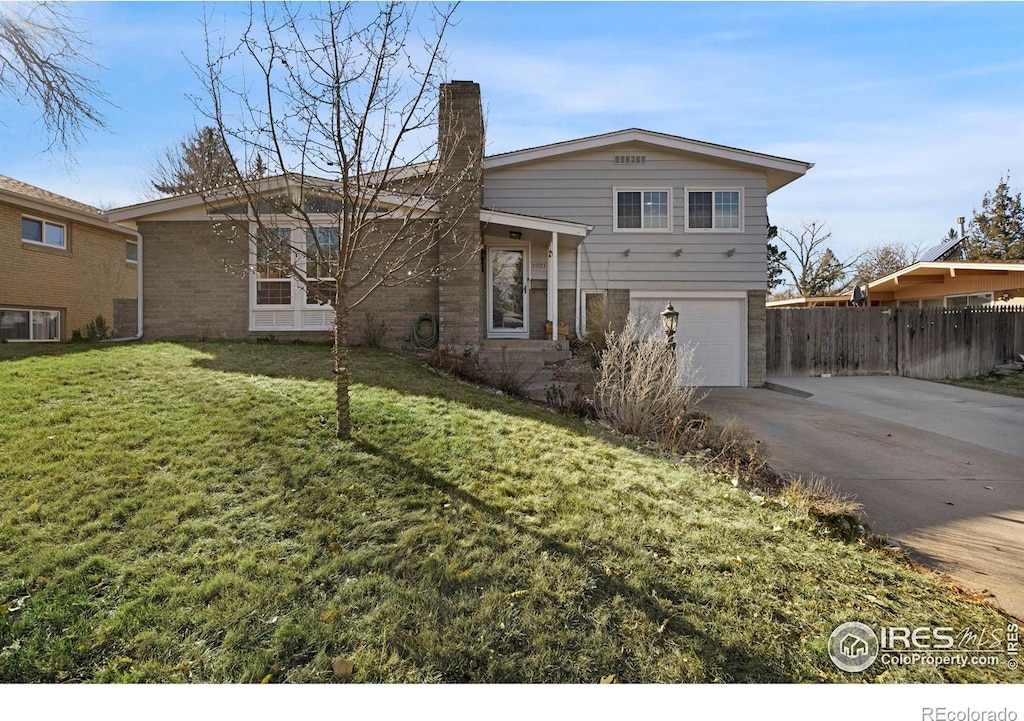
85	279
194	282
197	288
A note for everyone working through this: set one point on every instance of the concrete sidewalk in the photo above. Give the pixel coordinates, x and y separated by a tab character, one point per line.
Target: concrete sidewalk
939	468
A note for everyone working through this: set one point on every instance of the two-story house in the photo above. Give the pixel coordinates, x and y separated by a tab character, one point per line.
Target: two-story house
590	228
62	265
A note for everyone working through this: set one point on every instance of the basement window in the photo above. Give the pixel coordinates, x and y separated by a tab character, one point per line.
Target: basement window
29	325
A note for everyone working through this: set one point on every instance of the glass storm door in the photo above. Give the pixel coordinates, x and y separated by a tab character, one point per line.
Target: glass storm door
508	307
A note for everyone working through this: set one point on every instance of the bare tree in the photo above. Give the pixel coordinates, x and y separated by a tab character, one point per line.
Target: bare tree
814	269
340	104
881	260
41	62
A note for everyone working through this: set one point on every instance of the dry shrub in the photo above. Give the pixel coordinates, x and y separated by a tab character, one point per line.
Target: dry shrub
374	332
728	445
457	361
572	402
598	328
508	377
821	500
643	388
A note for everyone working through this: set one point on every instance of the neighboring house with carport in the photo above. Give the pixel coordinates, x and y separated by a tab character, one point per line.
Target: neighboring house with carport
63	265
951	284
821	301
571	233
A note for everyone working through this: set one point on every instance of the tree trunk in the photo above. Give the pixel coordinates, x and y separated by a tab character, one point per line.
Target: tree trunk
342	372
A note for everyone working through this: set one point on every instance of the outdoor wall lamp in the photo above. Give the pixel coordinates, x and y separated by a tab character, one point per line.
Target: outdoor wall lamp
679	252
669	323
627	251
515	235
730	253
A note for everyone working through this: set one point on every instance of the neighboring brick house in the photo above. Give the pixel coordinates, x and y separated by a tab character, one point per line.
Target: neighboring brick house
568	233
62	264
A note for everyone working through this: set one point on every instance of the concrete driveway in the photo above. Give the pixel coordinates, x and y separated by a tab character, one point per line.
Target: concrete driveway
941	469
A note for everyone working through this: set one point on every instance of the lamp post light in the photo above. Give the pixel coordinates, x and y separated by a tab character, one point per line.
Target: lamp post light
669	323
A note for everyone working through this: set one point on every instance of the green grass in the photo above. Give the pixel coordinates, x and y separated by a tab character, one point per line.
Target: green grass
184	513
1012	385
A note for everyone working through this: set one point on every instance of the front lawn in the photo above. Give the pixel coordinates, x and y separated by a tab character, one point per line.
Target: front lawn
184	513
1009	385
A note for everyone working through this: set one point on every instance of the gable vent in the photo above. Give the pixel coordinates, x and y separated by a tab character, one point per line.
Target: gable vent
629	159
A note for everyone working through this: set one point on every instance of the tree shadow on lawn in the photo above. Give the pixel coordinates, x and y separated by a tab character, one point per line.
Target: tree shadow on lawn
734	663
374	368
22	351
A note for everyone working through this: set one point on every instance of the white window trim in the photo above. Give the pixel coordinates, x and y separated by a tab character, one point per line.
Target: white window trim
134	261
712	229
44	222
31	325
297	306
643	189
988	294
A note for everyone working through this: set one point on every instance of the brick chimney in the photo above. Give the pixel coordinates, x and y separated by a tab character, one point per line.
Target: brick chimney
460	154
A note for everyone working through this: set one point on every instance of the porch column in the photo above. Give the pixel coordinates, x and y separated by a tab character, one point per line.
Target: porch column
553	286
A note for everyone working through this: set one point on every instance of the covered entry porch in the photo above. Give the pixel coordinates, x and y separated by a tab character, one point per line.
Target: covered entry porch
521	263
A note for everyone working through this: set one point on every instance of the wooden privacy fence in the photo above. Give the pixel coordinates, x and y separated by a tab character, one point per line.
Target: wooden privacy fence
927	343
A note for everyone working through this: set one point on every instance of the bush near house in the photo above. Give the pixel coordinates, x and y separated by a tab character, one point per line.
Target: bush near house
184	513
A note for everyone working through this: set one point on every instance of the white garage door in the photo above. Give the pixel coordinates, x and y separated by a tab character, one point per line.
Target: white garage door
715	328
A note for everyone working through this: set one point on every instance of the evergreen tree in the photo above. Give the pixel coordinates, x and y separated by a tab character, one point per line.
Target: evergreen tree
200	162
776	260
997	230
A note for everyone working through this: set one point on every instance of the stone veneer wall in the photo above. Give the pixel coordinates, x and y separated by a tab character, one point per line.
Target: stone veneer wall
757	338
460	149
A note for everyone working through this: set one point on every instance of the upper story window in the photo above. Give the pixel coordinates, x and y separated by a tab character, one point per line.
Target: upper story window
43	232
643	209
714	209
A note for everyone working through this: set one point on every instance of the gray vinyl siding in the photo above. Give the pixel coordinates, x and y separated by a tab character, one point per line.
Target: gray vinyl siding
580	187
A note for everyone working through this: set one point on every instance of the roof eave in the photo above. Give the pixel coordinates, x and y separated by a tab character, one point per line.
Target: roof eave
782	170
41	206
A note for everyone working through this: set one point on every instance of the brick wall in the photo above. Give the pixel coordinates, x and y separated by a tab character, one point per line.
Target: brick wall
398	305
81	281
196	288
194	281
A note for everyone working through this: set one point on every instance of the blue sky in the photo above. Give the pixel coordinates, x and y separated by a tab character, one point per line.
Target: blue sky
910	111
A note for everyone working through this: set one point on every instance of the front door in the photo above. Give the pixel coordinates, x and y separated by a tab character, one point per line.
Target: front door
508	297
